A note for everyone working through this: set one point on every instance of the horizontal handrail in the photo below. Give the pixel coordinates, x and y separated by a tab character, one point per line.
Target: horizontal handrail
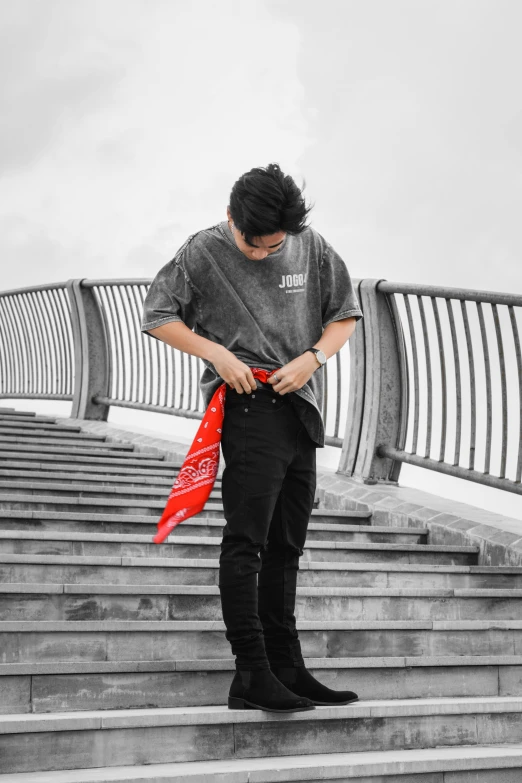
445	292
435	372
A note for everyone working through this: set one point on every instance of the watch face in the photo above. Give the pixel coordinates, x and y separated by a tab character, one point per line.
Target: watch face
321	356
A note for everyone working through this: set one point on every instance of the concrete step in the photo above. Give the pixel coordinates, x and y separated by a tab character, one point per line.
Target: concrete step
7	412
18	477
108	685
193	526
74	569
50	434
23	641
15	501
145	524
78	445
98	738
24	416
23	426
42	469
114	502
88	601
496	763
35	457
88	489
208	547
140	461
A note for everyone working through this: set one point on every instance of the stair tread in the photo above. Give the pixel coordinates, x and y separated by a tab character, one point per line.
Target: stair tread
183	589
181	540
116	517
107	449
51	468
109	490
172	562
58	535
293	769
41	626
227	664
190	716
141	459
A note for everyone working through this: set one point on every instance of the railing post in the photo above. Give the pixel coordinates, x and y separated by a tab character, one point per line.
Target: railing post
91	365
377	407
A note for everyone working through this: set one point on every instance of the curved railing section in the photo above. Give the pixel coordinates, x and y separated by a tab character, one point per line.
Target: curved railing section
36	343
82	341
447	388
143	372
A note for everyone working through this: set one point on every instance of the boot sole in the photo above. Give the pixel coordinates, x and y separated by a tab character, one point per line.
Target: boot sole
334	703
242	704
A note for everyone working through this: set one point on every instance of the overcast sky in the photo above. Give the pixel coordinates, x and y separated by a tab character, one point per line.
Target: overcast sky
126	122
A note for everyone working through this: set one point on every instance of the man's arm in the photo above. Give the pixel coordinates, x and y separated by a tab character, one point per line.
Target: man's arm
334	336
299	371
234	372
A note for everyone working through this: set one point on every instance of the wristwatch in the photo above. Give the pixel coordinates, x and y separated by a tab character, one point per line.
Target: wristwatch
319	355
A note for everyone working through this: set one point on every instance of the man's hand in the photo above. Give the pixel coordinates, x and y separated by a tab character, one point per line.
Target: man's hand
295	374
234	372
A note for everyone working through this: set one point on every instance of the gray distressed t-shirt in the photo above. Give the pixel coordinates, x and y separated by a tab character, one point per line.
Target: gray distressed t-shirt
265	312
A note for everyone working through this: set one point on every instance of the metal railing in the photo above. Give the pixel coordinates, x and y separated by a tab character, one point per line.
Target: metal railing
440	380
435	373
89	348
36	343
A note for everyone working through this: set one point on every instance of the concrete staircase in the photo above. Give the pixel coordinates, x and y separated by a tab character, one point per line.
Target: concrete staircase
114	664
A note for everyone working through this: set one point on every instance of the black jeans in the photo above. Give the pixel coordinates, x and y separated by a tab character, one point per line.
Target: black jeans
268	489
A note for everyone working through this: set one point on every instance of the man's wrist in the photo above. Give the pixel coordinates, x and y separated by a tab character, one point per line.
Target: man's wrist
213	351
316	362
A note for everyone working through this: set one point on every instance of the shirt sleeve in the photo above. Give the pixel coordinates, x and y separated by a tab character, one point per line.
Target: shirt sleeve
171	297
338	299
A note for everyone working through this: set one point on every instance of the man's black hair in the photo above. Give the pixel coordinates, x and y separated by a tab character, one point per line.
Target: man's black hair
264	201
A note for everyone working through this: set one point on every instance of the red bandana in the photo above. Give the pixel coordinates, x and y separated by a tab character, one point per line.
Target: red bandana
198	473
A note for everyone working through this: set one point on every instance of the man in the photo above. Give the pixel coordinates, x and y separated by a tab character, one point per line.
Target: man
262	290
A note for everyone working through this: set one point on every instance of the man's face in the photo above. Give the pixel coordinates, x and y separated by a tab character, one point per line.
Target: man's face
261	247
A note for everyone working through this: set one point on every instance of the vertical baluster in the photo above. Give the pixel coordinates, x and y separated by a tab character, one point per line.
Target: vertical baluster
37	332
325	393
485	349
100	295
51	341
59	346
338	398
148	353
118	346
164	348
19	308
129	333
198	395
16	341
429	379
182	379
170	376
7	353
516	339
136	320
415	375
44	331
458	382
444	391
502	367
65	332
473	391
112	290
